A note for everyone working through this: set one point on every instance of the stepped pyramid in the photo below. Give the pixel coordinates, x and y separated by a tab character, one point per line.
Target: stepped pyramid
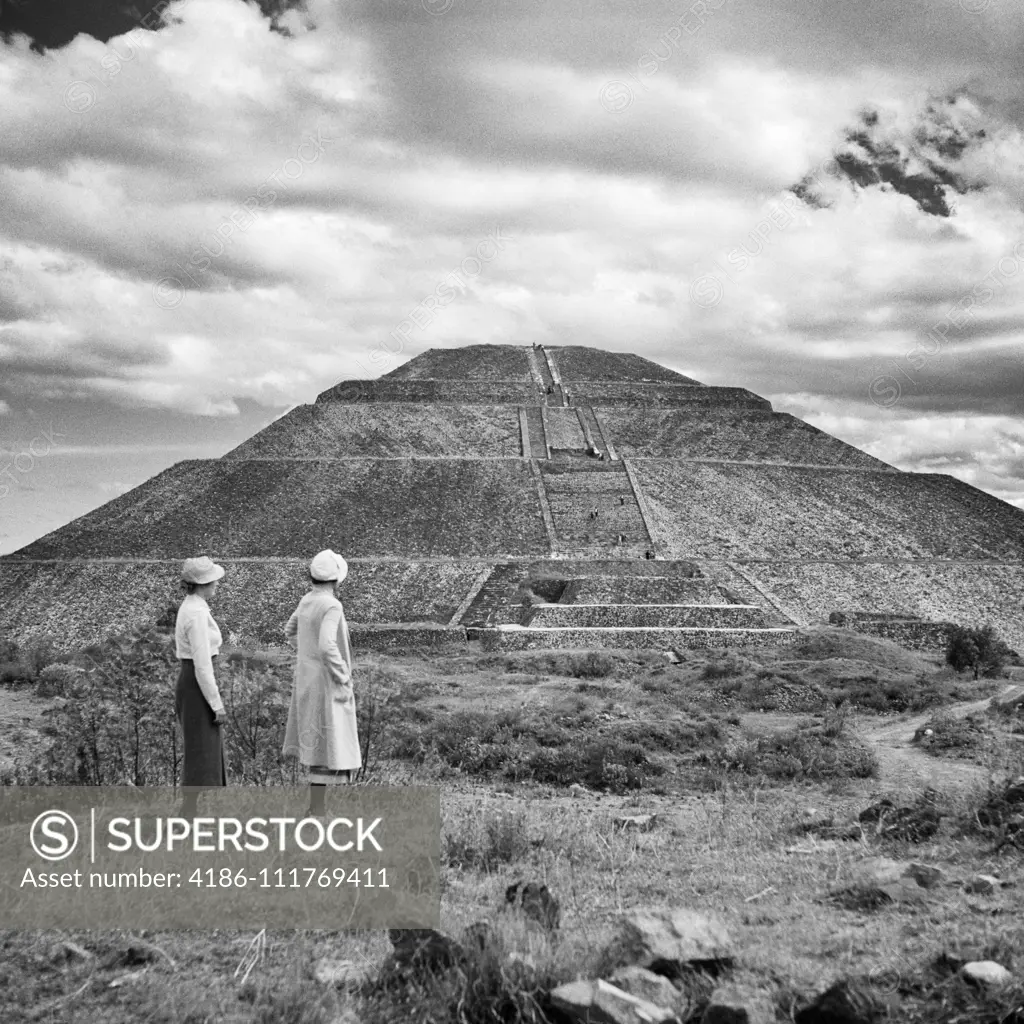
539	497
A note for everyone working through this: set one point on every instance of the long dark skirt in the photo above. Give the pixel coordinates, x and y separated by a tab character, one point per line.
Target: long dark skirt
203	758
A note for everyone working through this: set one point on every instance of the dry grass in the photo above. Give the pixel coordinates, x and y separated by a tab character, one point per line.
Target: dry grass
733	845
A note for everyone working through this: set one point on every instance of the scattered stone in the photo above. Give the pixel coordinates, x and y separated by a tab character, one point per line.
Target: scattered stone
871	896
129	979
739	1004
69	952
878	871
883	872
846	1002
664	941
536	903
638	822
913	824
598	1002
926	875
982	885
343	973
651	987
986	972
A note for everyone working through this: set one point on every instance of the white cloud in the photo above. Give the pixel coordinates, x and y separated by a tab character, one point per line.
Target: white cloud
114	281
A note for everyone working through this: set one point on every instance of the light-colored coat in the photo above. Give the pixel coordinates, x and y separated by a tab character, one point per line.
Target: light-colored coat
321	727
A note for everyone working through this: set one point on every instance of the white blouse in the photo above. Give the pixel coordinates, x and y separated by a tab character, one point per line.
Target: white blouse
197	636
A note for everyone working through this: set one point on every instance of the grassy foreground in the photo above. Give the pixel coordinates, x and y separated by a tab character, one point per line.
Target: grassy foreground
746	761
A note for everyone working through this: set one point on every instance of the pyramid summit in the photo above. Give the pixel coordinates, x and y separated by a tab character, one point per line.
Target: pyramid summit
539	496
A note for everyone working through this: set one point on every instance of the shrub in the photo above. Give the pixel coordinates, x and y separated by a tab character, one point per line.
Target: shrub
13	672
502	839
61	680
944	732
724	667
977	650
592	665
796	754
998	813
123	730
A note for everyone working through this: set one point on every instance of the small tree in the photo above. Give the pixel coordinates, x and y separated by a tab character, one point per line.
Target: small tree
977	649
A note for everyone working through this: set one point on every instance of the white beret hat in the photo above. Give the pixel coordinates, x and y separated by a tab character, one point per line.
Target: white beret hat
328	566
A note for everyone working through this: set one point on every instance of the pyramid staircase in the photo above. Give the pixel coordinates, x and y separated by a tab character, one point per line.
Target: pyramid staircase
671	605
594	509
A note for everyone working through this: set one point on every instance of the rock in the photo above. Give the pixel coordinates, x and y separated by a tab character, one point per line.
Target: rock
639	822
578	791
536	902
873	814
914	824
651	987
129	979
870	895
983	885
423	950
925	875
986	972
878	871
739	1004
846	1002
69	952
598	1002
342	973
664	940
882	872
132	955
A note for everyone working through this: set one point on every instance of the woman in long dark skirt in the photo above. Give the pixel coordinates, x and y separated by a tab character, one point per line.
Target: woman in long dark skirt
197	701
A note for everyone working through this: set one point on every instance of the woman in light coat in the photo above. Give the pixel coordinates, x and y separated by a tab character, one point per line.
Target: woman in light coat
321	730
197	702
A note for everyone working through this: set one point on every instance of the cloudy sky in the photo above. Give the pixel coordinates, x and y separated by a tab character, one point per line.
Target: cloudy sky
209	215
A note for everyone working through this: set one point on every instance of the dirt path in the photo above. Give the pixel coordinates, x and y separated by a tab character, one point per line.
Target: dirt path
904	765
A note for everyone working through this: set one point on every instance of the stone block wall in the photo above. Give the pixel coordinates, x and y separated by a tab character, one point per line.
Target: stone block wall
281	508
578	363
642	590
741	434
916	636
78	603
386	389
779	512
969	594
608	615
395	430
526	639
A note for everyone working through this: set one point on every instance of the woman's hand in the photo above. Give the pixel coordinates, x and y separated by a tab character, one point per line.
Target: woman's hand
344	694
220	717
